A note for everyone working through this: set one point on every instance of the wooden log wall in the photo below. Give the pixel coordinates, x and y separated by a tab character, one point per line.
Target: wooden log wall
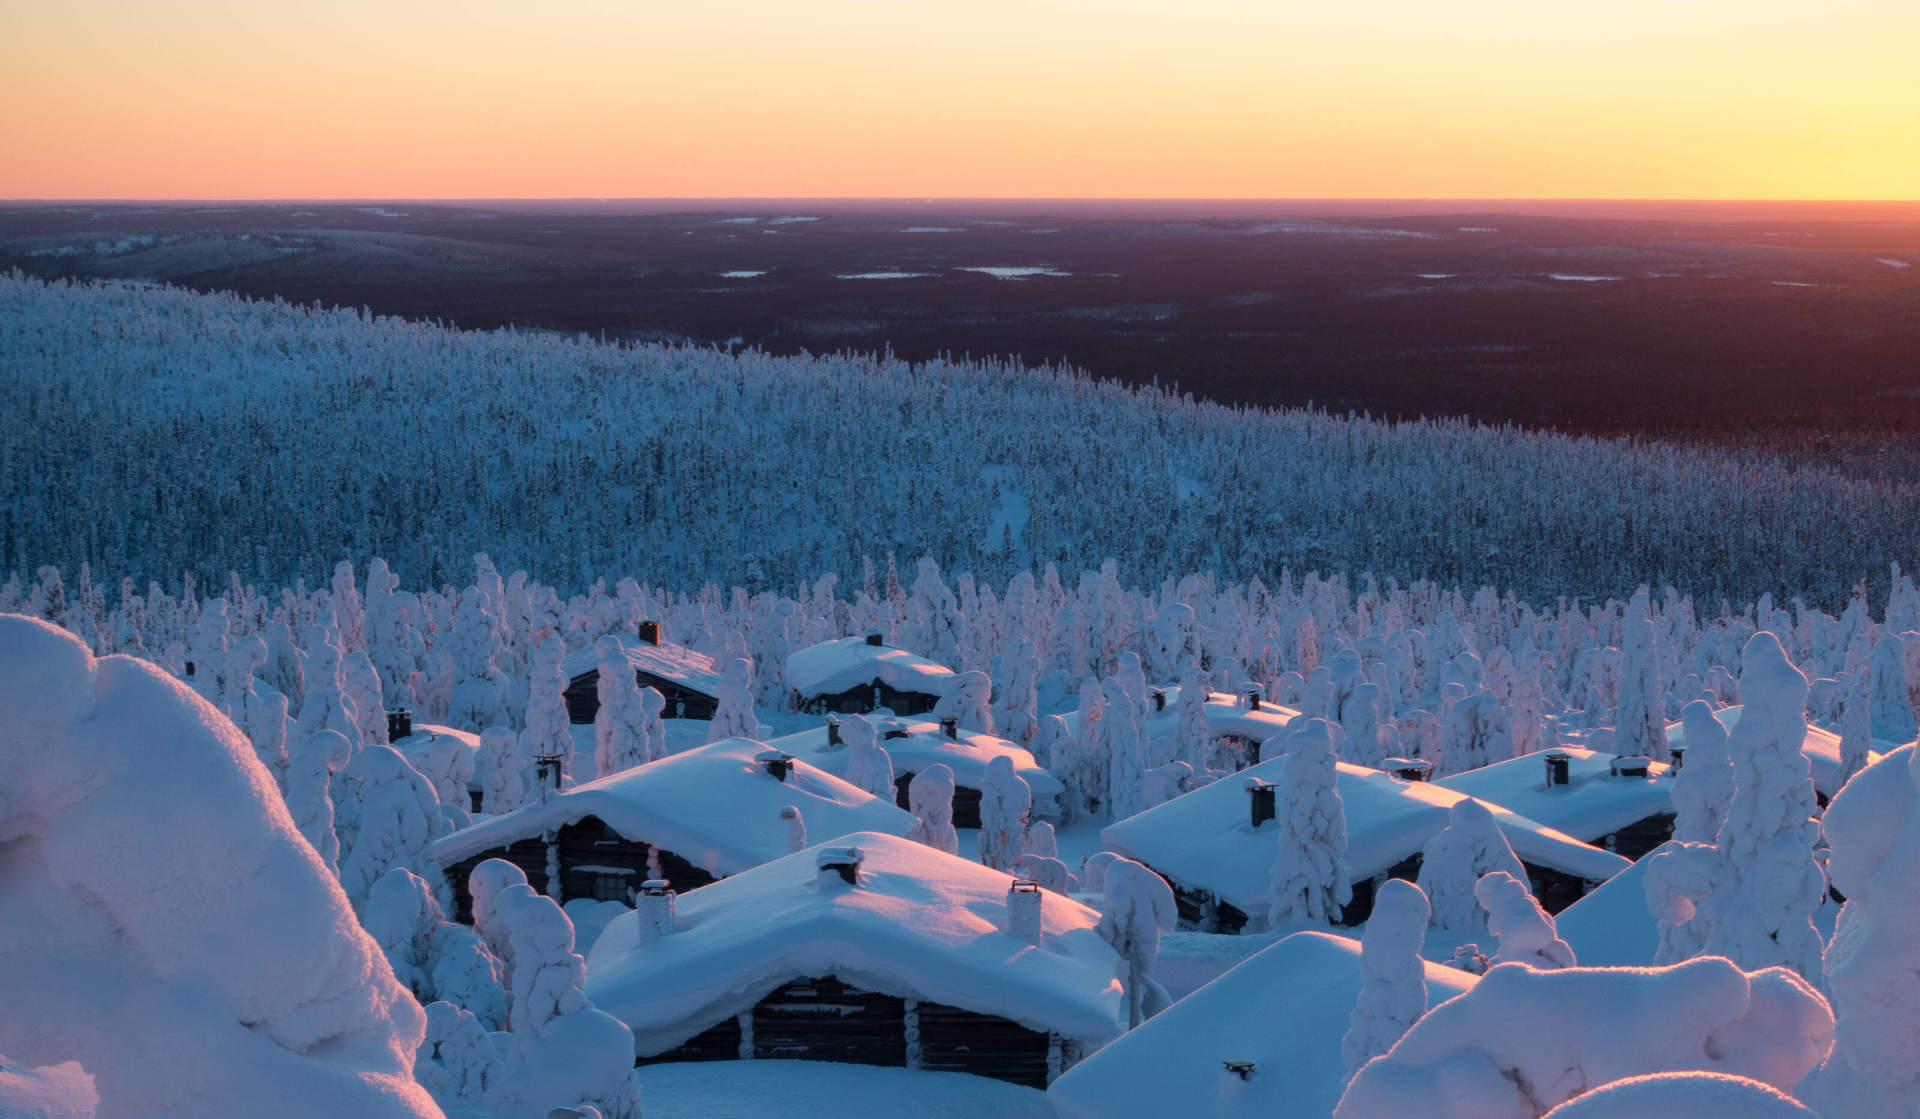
966	801
864	699
583	844
583	697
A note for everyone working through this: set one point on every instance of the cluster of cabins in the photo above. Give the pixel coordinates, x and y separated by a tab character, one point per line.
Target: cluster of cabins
875	949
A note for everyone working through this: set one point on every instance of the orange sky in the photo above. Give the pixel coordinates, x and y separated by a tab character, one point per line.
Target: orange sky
1763	99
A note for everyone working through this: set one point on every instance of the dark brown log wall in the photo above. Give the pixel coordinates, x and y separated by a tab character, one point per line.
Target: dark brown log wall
863	699
585	843
583	697
953	1040
826	1020
966	801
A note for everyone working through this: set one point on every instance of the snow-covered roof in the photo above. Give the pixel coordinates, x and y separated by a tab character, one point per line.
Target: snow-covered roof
1593	803
835	666
1822	748
1204	839
1226	714
919	924
676	663
715	807
1612	926
925	745
1284	1009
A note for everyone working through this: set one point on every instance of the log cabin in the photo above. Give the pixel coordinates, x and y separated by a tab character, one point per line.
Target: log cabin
870	949
688	680
913	745
1822	748
859	675
1244	721
1208	847
1619	804
687	819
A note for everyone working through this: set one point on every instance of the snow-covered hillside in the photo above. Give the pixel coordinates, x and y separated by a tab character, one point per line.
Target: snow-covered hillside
153	431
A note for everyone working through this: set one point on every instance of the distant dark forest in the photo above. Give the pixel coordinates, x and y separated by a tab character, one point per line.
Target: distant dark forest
1785	331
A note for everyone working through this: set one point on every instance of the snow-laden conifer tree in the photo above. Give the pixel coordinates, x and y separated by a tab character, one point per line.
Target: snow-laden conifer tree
1005	801
968	701
1123	741
933	617
360	685
347	609
465	972
1163	783
433	687
1874	828
1308	882
733	717
930	799
546	734
391	641
1136	907
1393	977
1360	722
1893	719
1081	762
1015	693
506	780
1452	864
1192	741
485	882
1473	734
388	816
1704	784
260	713
208	652
869	768
310	773
1641	722
401	914
1040	840
1856	727
456	1060
623	734
480	689
1526	933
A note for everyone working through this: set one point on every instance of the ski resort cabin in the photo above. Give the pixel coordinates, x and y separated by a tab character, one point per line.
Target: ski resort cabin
1822	748
1624	805
688	680
869	950
1262	1039
863	674
1244	722
1209	848
687	820
913	746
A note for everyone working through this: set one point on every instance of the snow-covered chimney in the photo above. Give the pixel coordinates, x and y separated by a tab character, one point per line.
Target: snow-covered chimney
549	773
1408	769
1260	796
399	724
189	668
1679	754
833	731
1159	700
1253	696
892	729
950	727
1023	911
1630	765
775	762
1557	768
655	903
1241	1069
839	864
873	638
650	632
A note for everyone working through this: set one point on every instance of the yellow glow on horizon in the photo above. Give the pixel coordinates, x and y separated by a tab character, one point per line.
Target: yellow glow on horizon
1761	99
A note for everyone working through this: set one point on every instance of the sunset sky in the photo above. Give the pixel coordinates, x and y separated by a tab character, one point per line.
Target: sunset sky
1763	99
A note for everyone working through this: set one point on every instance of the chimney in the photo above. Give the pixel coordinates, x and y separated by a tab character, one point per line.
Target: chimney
1159	700
1679	754
1260	796
1557	772
1241	1069
189	668
1023	911
549	772
839	863
833	731
1253	697
650	632
873	638
399	724
656	909
950	727
892	729
1408	769
775	763
1630	765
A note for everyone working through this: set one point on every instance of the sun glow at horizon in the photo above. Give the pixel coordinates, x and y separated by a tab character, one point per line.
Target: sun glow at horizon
997	98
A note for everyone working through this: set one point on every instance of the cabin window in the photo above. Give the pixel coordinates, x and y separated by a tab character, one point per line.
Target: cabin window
610	887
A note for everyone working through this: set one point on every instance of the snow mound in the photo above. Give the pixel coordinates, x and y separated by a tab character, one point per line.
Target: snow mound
167	927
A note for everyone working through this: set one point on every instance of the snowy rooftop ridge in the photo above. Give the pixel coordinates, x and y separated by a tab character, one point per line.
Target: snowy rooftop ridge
847	662
919	924
714	806
693	671
1284	1009
1205	839
926	744
1226	714
1593	803
1822	748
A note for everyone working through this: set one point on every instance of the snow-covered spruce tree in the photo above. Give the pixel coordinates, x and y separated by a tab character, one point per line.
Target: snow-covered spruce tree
1123	741
546	733
208	651
1874	828
1474	733
1360	722
1005	801
1015	704
1081	762
1856	727
930	799
401	914
259	712
1308	882
347	609
1704	784
361	686
456	1060
869	768
967	701
1893	720
393	815
733	717
310	773
506	780
1040	840
934	620
1136	907
1527	934
391	640
1393	977
1452	864
620	731
325	707
480	689
1192	742
1165	783
464	971
485	882
1641	722
565	1053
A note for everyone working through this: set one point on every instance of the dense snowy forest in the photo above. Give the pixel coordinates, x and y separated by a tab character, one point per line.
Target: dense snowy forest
154	432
